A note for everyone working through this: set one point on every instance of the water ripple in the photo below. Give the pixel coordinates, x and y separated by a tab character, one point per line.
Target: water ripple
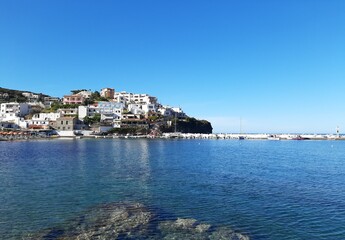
286	190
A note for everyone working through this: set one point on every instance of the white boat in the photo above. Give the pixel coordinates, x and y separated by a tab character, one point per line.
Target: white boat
273	137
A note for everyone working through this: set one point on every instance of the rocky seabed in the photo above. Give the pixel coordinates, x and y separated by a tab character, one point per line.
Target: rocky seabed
133	221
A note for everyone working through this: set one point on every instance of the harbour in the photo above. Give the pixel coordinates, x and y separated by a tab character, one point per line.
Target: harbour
31	135
261	189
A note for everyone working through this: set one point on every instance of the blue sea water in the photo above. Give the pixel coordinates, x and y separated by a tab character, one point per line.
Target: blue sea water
265	189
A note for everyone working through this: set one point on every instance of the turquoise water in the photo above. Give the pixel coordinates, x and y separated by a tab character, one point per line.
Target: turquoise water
266	189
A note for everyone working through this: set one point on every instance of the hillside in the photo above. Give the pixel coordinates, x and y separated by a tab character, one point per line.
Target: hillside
9	95
189	125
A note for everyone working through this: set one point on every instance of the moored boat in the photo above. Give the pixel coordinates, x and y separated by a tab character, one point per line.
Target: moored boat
273	137
299	137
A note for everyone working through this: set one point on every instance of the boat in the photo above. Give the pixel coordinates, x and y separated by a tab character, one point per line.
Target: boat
299	137
273	137
240	137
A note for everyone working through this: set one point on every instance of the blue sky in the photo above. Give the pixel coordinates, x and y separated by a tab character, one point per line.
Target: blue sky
277	65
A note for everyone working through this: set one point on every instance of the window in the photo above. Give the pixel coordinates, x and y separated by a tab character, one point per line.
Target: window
61	122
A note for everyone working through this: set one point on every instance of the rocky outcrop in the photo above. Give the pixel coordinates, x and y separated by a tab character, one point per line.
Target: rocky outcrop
188	125
192	229
111	221
133	221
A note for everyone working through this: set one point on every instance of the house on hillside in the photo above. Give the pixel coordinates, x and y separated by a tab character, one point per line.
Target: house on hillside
107	93
73	99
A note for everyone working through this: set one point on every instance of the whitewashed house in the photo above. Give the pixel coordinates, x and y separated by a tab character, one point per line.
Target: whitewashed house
127	98
18	109
68	112
135	108
87	111
149	107
43	119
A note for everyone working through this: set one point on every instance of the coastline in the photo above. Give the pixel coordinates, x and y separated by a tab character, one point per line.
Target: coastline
212	136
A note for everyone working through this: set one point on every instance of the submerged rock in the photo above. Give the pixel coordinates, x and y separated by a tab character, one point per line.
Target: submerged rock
111	221
225	233
132	221
183	229
202	228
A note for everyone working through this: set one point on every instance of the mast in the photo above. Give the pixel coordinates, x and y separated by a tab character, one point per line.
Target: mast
240	125
175	122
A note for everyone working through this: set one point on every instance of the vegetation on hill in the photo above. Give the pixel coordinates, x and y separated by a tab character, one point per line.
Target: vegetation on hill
188	125
129	130
9	95
57	105
91	120
78	91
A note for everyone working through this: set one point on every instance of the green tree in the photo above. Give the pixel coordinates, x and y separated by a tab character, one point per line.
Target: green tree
77	91
91	120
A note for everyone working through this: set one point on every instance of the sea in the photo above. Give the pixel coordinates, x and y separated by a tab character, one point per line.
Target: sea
263	189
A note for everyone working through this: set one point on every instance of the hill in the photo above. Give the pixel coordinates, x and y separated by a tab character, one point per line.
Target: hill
10	95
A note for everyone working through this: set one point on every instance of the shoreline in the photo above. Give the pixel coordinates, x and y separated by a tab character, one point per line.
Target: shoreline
213	136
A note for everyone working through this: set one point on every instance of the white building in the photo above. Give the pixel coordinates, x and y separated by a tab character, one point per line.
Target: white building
168	111
111	112
85	93
149	108
135	108
87	111
16	121
179	112
42	119
17	109
127	98
68	112
111	107
138	108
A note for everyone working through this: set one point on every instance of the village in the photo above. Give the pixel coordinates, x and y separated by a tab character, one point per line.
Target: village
110	114
84	113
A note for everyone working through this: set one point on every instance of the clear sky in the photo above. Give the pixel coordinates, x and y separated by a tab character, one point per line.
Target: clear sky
277	65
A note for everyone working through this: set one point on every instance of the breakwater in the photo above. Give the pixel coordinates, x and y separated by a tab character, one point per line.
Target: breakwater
254	136
20	135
